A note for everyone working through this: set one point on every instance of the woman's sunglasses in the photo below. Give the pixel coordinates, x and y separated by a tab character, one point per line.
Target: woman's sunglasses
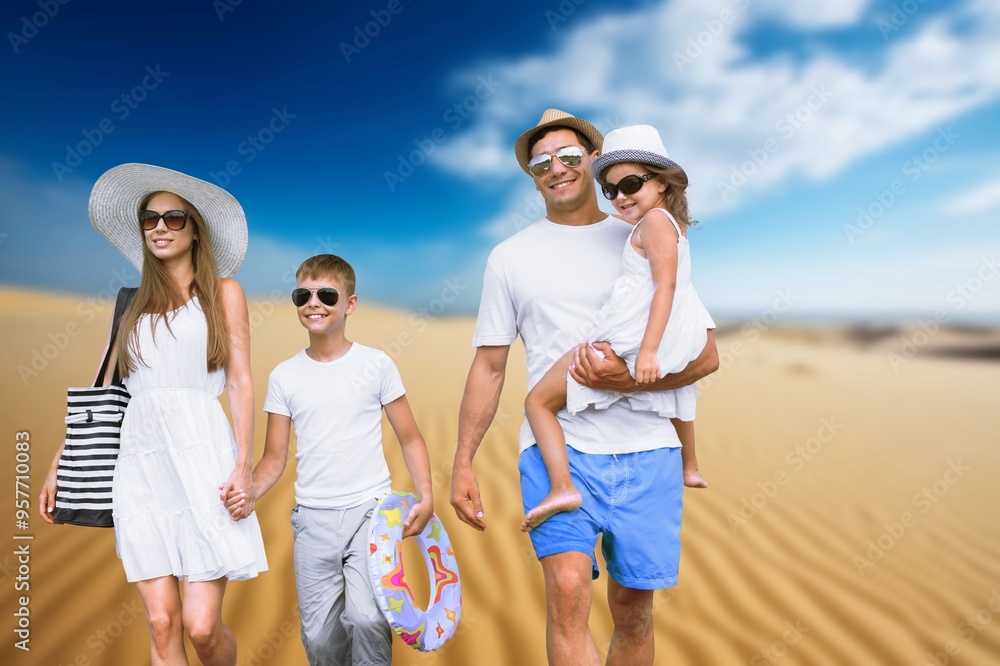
571	156
627	185
174	219
327	296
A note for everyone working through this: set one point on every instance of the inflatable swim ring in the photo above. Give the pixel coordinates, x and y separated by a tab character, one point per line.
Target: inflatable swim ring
422	629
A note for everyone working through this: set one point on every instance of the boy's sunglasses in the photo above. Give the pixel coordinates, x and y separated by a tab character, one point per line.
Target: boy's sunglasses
627	185
571	156
327	296
174	219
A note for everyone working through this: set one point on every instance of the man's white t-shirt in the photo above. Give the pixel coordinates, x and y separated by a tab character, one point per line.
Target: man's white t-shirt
547	282
336	409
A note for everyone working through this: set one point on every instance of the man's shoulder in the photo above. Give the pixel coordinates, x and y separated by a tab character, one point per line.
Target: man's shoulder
521	237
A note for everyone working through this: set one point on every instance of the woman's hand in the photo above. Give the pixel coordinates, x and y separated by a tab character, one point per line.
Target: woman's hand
647	367
238	483
47	498
418	518
240	504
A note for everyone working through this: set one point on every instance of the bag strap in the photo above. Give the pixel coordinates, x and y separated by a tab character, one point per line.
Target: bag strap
125	295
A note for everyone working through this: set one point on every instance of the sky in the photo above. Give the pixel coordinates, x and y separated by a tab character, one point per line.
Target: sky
842	156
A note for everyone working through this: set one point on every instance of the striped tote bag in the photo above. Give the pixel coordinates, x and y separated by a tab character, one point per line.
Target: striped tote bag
93	423
93	426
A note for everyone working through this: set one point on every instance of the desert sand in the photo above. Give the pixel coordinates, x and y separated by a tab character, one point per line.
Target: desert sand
851	517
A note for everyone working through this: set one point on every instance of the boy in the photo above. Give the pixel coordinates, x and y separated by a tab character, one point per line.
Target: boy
334	392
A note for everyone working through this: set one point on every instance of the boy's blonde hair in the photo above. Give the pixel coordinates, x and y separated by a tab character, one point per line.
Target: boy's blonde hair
328	266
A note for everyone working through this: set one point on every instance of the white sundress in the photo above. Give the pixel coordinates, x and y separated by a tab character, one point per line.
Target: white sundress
177	448
622	323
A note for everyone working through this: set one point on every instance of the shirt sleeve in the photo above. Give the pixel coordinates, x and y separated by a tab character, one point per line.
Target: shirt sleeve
274	401
391	384
496	323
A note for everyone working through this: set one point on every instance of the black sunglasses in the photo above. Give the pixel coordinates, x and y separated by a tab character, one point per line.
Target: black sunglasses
174	219
627	185
327	296
571	156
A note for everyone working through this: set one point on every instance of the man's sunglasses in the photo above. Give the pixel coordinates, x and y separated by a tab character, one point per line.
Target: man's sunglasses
571	156
327	296
174	219
627	185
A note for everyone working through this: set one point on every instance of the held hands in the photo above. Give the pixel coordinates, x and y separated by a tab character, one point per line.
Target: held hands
240	503
647	367
417	518
237	493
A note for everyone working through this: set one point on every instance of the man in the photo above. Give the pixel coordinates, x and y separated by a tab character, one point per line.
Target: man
545	283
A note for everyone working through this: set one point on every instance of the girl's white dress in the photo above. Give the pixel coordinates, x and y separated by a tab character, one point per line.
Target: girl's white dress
177	448
622	323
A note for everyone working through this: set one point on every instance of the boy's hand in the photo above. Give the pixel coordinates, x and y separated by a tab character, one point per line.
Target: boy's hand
647	367
418	517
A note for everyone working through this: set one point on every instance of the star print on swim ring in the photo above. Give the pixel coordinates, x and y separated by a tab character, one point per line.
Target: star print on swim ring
422	629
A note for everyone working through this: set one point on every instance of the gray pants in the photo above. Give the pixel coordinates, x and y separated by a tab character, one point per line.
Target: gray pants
341	622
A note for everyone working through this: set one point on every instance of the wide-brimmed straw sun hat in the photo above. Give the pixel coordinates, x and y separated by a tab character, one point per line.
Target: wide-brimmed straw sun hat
554	118
114	211
635	143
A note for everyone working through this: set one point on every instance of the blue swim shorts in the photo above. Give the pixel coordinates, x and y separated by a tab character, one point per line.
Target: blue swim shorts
633	499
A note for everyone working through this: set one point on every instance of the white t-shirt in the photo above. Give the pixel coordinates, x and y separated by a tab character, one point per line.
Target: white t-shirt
336	409
546	282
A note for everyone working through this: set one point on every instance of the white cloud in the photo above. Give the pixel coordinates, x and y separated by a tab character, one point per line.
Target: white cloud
981	199
813	13
809	117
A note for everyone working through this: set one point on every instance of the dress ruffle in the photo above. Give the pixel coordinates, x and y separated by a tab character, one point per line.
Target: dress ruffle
177	448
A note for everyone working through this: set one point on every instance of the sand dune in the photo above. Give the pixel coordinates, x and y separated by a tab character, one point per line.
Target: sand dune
851	517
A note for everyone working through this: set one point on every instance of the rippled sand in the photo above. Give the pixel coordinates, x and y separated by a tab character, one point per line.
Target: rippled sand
851	518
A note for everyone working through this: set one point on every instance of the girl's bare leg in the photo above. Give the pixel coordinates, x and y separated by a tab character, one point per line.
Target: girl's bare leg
546	398
685	432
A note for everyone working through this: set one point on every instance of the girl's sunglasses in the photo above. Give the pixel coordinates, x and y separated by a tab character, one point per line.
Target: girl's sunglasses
627	185
571	156
174	219
327	296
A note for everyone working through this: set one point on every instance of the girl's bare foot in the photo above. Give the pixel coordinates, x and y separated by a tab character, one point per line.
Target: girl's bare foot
694	479
555	502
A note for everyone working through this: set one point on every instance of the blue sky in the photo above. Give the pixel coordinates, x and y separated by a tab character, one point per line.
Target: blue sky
396	150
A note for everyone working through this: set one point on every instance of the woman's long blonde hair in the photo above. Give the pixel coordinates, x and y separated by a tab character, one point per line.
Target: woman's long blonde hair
159	295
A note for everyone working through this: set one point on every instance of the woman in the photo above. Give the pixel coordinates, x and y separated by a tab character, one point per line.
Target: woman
184	338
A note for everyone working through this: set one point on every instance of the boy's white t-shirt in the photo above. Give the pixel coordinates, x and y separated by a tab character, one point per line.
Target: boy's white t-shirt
336	409
546	283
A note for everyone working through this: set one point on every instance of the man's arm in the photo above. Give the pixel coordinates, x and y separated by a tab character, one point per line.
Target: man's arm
479	406
611	373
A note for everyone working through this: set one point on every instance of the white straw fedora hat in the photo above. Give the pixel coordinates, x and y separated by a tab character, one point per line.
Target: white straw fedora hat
554	118
114	211
635	143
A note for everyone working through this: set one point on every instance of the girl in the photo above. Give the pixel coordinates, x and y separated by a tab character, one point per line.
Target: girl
183	339
653	318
